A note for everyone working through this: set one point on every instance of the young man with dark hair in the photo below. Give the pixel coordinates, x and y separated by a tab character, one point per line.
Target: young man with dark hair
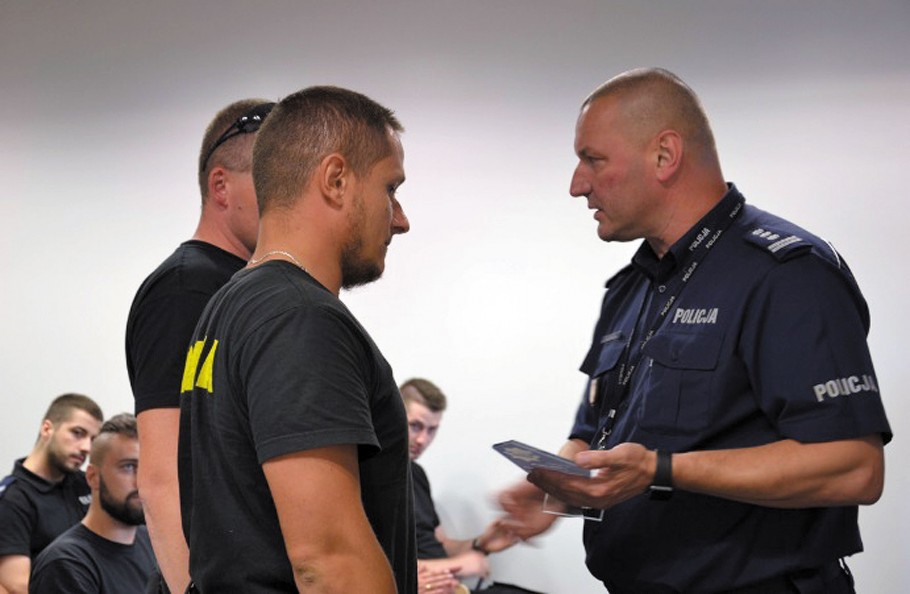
47	492
293	442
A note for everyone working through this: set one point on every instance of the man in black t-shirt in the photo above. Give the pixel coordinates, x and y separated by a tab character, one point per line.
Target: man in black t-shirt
167	307
293	458
109	551
47	492
443	558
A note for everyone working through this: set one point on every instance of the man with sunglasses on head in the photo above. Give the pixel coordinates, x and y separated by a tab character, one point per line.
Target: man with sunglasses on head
167	307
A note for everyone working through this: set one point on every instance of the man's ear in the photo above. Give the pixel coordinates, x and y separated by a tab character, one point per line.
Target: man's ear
92	475
334	178
47	427
669	154
217	186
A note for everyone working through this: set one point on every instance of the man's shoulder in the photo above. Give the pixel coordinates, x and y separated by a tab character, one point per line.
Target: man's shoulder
21	483
782	240
193	266
74	545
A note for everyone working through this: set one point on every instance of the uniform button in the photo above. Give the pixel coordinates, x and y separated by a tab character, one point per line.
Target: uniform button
661	288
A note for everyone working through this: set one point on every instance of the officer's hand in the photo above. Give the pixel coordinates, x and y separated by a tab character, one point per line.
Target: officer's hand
621	473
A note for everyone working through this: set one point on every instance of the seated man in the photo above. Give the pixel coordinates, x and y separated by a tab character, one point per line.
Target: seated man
109	551
46	494
440	558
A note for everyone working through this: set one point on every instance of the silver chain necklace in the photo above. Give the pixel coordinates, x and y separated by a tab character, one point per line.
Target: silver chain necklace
288	255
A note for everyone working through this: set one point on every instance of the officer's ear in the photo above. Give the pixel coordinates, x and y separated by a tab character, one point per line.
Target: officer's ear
668	154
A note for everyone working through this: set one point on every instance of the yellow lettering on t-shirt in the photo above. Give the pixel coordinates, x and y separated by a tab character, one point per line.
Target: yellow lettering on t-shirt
205	374
192	363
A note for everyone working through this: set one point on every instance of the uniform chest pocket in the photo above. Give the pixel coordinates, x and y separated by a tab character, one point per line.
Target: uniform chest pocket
678	395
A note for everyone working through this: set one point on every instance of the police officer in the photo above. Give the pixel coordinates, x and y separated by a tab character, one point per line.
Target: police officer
731	415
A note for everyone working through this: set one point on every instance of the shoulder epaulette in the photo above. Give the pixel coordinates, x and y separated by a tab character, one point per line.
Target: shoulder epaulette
780	244
6	482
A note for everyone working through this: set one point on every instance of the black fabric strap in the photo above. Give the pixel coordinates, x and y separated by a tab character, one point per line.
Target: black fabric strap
662	486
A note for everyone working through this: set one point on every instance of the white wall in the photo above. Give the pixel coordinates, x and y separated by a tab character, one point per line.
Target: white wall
494	292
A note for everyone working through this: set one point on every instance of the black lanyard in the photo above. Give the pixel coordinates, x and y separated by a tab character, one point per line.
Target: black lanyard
631	358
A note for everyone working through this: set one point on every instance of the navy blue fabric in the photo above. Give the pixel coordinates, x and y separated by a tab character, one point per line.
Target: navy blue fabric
767	341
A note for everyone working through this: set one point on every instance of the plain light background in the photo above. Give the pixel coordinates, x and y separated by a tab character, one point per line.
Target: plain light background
494	292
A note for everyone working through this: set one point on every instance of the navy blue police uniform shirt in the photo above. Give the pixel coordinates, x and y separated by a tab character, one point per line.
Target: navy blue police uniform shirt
33	511
766	341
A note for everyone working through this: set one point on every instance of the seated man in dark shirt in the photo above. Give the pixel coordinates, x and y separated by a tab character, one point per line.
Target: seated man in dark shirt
46	493
443	560
109	551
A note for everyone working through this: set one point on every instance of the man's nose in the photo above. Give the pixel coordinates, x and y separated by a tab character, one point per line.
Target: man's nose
400	222
579	186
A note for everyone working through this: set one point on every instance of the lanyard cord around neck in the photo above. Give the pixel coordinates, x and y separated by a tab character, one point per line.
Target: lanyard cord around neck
700	247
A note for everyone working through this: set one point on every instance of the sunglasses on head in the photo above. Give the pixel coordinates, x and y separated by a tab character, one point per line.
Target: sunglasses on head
245	124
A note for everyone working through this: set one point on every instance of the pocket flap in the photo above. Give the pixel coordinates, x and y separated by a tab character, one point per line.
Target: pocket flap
684	350
604	356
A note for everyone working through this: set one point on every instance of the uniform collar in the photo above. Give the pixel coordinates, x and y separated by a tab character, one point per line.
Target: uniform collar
39	483
676	257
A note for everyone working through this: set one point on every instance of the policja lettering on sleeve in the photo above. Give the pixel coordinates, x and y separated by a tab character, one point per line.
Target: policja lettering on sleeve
845	386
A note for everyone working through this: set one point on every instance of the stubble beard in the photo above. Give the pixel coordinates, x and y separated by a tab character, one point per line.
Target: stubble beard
60	462
355	270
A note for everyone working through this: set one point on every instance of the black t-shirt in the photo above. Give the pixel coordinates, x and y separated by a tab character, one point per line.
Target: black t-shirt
163	315
33	511
428	547
82	562
280	366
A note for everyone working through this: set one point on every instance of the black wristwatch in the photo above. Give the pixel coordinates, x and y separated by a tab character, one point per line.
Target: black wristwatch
661	487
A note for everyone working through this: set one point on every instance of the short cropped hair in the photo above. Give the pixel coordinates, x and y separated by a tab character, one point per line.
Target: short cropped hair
123	424
309	125
428	394
654	99
235	154
62	407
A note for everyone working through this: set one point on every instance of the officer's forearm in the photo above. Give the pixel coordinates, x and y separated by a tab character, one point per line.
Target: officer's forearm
787	473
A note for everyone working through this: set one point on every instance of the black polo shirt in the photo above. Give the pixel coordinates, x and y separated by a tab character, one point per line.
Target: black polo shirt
765	341
33	511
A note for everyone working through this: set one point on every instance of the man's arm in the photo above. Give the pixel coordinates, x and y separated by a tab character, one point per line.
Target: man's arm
496	537
782	474
158	487
329	540
14	571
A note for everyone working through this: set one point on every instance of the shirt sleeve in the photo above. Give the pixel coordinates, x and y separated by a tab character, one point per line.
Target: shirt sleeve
804	342
18	521
308	383
158	344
